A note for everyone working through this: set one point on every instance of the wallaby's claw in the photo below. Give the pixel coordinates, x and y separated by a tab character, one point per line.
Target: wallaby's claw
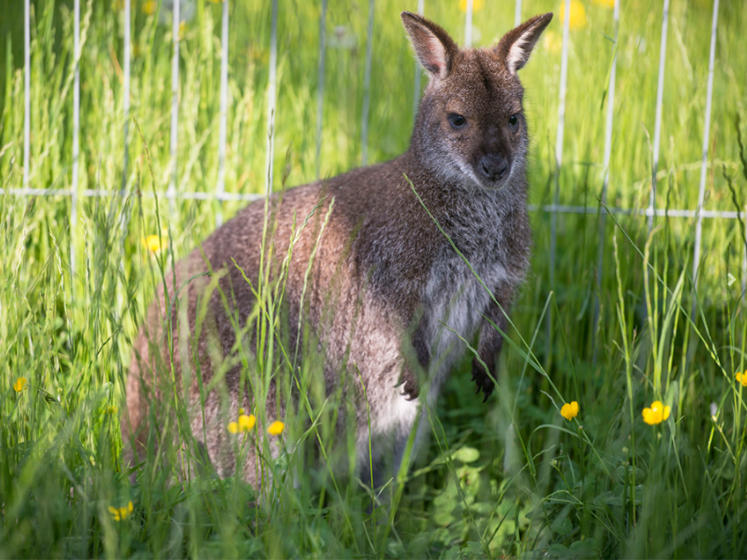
482	379
411	389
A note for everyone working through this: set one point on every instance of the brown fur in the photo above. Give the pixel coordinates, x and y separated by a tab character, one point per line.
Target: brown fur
382	260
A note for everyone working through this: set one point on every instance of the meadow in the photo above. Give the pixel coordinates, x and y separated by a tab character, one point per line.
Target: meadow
615	322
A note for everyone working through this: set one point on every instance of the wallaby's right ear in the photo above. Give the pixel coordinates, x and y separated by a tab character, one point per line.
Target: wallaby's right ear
434	47
516	45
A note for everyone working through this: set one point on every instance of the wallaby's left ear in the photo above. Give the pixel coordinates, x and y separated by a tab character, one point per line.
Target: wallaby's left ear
516	45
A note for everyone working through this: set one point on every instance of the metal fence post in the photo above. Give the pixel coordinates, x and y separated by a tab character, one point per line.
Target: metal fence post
558	162
704	161
744	263
221	186
126	93
606	173
517	13
468	25
76	142
26	90
367	85
320	88
657	123
271	86
171	194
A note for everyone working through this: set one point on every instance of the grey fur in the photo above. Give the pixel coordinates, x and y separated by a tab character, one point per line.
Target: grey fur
394	278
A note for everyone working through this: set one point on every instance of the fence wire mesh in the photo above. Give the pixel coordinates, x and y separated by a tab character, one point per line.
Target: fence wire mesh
219	193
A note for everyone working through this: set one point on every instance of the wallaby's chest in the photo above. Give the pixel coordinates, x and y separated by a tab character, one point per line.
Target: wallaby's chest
458	290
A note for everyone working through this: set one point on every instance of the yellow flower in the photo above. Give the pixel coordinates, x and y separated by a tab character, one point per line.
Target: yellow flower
155	242
182	29
605	3
120	514
656	414
553	41
569	411
20	384
244	424
578	15
216	1
276	428
111	409
477	5
149	7
741	378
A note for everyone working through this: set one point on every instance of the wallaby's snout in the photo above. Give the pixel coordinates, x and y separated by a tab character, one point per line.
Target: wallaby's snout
494	166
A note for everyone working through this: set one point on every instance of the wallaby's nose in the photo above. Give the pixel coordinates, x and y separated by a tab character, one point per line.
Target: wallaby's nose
493	166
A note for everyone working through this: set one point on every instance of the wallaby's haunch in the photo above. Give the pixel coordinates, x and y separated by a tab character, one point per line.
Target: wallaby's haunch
387	295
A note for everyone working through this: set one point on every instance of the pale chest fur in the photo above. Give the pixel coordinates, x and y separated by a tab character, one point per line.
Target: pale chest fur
457	295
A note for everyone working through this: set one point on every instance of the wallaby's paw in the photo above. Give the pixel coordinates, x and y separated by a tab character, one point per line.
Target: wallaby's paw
482	379
409	385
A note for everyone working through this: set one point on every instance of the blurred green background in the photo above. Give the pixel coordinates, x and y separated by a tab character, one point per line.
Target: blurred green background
504	479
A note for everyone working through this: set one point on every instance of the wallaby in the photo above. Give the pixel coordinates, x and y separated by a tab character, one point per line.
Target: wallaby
393	251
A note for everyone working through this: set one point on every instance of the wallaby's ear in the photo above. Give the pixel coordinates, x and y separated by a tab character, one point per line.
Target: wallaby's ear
434	47
516	45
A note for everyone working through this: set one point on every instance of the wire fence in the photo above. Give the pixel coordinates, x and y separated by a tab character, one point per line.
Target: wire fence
219	194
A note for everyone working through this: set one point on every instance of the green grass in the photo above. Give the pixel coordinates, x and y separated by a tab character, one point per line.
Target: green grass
507	478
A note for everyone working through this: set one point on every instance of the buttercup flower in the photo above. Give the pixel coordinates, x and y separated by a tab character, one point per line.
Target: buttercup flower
656	414
149	7
243	424
20	384
605	3
155	242
276	428
741	378
477	5
120	514
569	410
578	15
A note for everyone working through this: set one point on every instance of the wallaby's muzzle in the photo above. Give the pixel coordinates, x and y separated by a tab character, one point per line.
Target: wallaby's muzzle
494	167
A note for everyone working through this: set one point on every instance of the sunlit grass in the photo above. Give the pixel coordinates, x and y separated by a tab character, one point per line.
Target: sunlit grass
521	475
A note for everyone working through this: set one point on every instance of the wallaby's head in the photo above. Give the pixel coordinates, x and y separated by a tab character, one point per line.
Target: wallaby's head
471	125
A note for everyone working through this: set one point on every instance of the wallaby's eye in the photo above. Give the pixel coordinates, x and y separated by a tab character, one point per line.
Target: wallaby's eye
513	119
457	121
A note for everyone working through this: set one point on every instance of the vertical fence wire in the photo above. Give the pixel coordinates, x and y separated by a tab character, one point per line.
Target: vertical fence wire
657	123
367	85
76	141
744	264
558	160
468	25
320	87
704	160
221	186
126	92
517	13
606	174
271	87
418	72
26	91
171	194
